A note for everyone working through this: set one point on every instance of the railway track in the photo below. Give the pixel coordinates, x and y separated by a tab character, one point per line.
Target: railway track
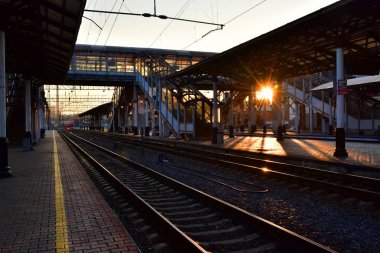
362	188
189	220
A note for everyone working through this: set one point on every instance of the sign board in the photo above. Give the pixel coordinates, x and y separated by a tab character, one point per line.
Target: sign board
342	87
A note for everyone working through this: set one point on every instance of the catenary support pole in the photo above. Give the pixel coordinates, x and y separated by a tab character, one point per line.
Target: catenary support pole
340	150
5	170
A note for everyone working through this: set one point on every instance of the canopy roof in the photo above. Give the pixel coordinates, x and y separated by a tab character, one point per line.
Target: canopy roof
304	46
103	109
367	81
40	36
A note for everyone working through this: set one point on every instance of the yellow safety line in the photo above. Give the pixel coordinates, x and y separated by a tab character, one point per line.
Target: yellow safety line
61	231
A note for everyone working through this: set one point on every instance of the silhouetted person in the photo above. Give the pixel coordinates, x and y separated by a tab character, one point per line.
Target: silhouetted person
264	129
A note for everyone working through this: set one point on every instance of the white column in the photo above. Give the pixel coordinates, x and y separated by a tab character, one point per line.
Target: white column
340	133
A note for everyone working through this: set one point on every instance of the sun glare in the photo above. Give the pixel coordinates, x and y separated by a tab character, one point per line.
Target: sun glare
265	93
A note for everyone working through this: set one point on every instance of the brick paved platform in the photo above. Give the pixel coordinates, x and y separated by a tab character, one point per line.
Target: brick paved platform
30	218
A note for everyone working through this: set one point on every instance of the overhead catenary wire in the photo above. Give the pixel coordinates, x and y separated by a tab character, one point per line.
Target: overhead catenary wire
244	12
179	13
113	24
105	21
229	21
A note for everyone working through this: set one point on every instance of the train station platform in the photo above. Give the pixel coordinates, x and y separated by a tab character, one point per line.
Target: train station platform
51	205
362	151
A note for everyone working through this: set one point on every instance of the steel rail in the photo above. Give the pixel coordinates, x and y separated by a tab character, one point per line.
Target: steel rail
288	240
169	231
269	169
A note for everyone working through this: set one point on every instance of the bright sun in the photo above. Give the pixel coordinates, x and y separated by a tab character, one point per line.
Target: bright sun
265	93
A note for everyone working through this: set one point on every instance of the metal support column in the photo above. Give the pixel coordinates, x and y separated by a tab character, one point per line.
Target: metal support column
297	117
159	99
135	110
331	127
214	113
5	170
311	112
231	116
252	122
41	112
147	128
126	118
27	141
340	150
178	116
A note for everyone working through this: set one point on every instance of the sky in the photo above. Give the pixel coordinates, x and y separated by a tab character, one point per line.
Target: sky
137	31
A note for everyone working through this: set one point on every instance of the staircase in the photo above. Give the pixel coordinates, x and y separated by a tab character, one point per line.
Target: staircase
194	114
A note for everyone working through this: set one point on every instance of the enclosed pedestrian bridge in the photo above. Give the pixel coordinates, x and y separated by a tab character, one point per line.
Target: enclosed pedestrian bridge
115	66
142	99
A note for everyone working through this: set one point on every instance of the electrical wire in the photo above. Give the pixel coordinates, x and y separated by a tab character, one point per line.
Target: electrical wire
113	23
229	21
244	12
179	13
91	19
105	22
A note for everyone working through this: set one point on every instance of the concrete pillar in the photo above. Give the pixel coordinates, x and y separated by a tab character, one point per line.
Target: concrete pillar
214	113
340	150
135	110
27	141
5	170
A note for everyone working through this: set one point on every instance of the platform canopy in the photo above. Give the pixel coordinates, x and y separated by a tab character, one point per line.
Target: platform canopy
40	36
304	46
355	83
103	109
